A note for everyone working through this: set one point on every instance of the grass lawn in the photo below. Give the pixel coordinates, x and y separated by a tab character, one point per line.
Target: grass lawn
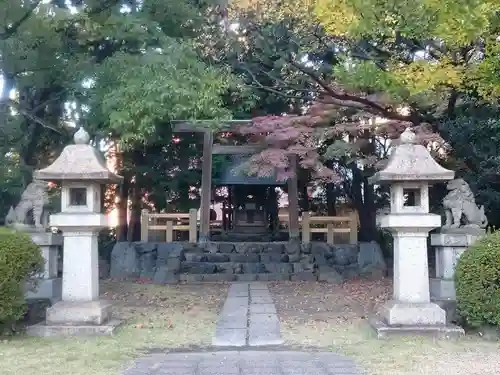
333	317
157	317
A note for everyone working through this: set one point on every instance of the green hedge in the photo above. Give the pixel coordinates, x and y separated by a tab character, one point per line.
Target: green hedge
477	280
20	259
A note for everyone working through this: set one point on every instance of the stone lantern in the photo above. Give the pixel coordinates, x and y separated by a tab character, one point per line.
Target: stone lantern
410	171
82	173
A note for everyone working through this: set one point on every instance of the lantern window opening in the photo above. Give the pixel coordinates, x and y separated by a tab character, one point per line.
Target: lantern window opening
412	197
78	196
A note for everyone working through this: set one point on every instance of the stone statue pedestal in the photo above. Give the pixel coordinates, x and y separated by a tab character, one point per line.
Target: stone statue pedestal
49	285
450	244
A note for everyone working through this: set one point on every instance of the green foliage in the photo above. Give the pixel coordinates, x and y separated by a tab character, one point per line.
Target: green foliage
474	135
455	22
154	87
477	279
219	164
20	259
455	42
11	183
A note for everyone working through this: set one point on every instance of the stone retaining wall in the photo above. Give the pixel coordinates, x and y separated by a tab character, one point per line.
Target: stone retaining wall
175	262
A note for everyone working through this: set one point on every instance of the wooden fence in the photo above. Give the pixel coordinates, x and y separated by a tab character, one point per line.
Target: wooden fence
330	225
188	222
180	222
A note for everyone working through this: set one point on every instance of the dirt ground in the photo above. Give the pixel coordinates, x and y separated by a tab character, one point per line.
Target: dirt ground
158	317
334	317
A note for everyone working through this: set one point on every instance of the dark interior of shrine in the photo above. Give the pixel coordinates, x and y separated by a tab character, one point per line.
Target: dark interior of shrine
249	205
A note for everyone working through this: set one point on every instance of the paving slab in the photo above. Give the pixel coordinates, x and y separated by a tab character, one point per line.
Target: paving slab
258	286
264	337
247	321
261	300
244	363
225	322
259	293
264	308
230	337
239	294
238	287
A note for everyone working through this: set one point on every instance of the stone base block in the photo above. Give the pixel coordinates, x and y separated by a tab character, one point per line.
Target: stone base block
412	314
450	306
273	276
50	289
383	330
442	288
456	237
230	337
219	277
46	238
46	330
79	313
246	277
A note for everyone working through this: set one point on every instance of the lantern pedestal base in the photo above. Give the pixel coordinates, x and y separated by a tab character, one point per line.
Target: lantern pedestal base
383	330
400	318
401	313
77	319
45	289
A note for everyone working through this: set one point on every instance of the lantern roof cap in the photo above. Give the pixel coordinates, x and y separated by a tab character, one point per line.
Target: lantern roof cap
78	162
411	161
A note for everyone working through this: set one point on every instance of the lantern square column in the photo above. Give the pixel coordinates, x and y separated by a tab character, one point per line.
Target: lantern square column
81	171
409	172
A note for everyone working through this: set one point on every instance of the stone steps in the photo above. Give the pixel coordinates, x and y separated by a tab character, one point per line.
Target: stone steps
245	268
249	237
245	258
246	277
247	261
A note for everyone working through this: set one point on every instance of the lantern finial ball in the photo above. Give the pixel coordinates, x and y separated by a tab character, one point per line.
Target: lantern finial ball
81	137
408	136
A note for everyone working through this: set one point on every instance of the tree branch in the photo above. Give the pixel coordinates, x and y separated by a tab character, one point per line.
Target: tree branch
355	101
30	116
12	29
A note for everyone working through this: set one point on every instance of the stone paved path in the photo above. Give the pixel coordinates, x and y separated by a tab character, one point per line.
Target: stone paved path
244	363
248	317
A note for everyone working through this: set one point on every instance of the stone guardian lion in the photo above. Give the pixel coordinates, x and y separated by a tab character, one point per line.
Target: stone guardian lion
34	198
460	203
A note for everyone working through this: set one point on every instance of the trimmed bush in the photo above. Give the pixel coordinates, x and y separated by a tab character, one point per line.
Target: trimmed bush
477	280
20	260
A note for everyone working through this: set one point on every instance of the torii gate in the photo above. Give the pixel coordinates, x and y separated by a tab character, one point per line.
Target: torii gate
209	149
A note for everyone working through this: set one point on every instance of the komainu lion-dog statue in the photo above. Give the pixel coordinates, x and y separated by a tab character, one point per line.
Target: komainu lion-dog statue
34	198
460	204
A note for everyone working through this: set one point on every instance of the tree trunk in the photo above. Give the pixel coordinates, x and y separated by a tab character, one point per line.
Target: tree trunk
366	208
293	201
369	212
206	187
331	199
305	198
357	190
134	225
122	209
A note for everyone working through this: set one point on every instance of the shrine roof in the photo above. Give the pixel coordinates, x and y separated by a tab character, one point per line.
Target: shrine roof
234	174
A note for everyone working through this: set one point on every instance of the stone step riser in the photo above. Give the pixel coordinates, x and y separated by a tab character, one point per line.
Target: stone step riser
248	277
163	263
248	258
240	268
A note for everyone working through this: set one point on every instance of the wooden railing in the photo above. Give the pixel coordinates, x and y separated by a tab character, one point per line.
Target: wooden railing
188	222
180	222
325	224
174	222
